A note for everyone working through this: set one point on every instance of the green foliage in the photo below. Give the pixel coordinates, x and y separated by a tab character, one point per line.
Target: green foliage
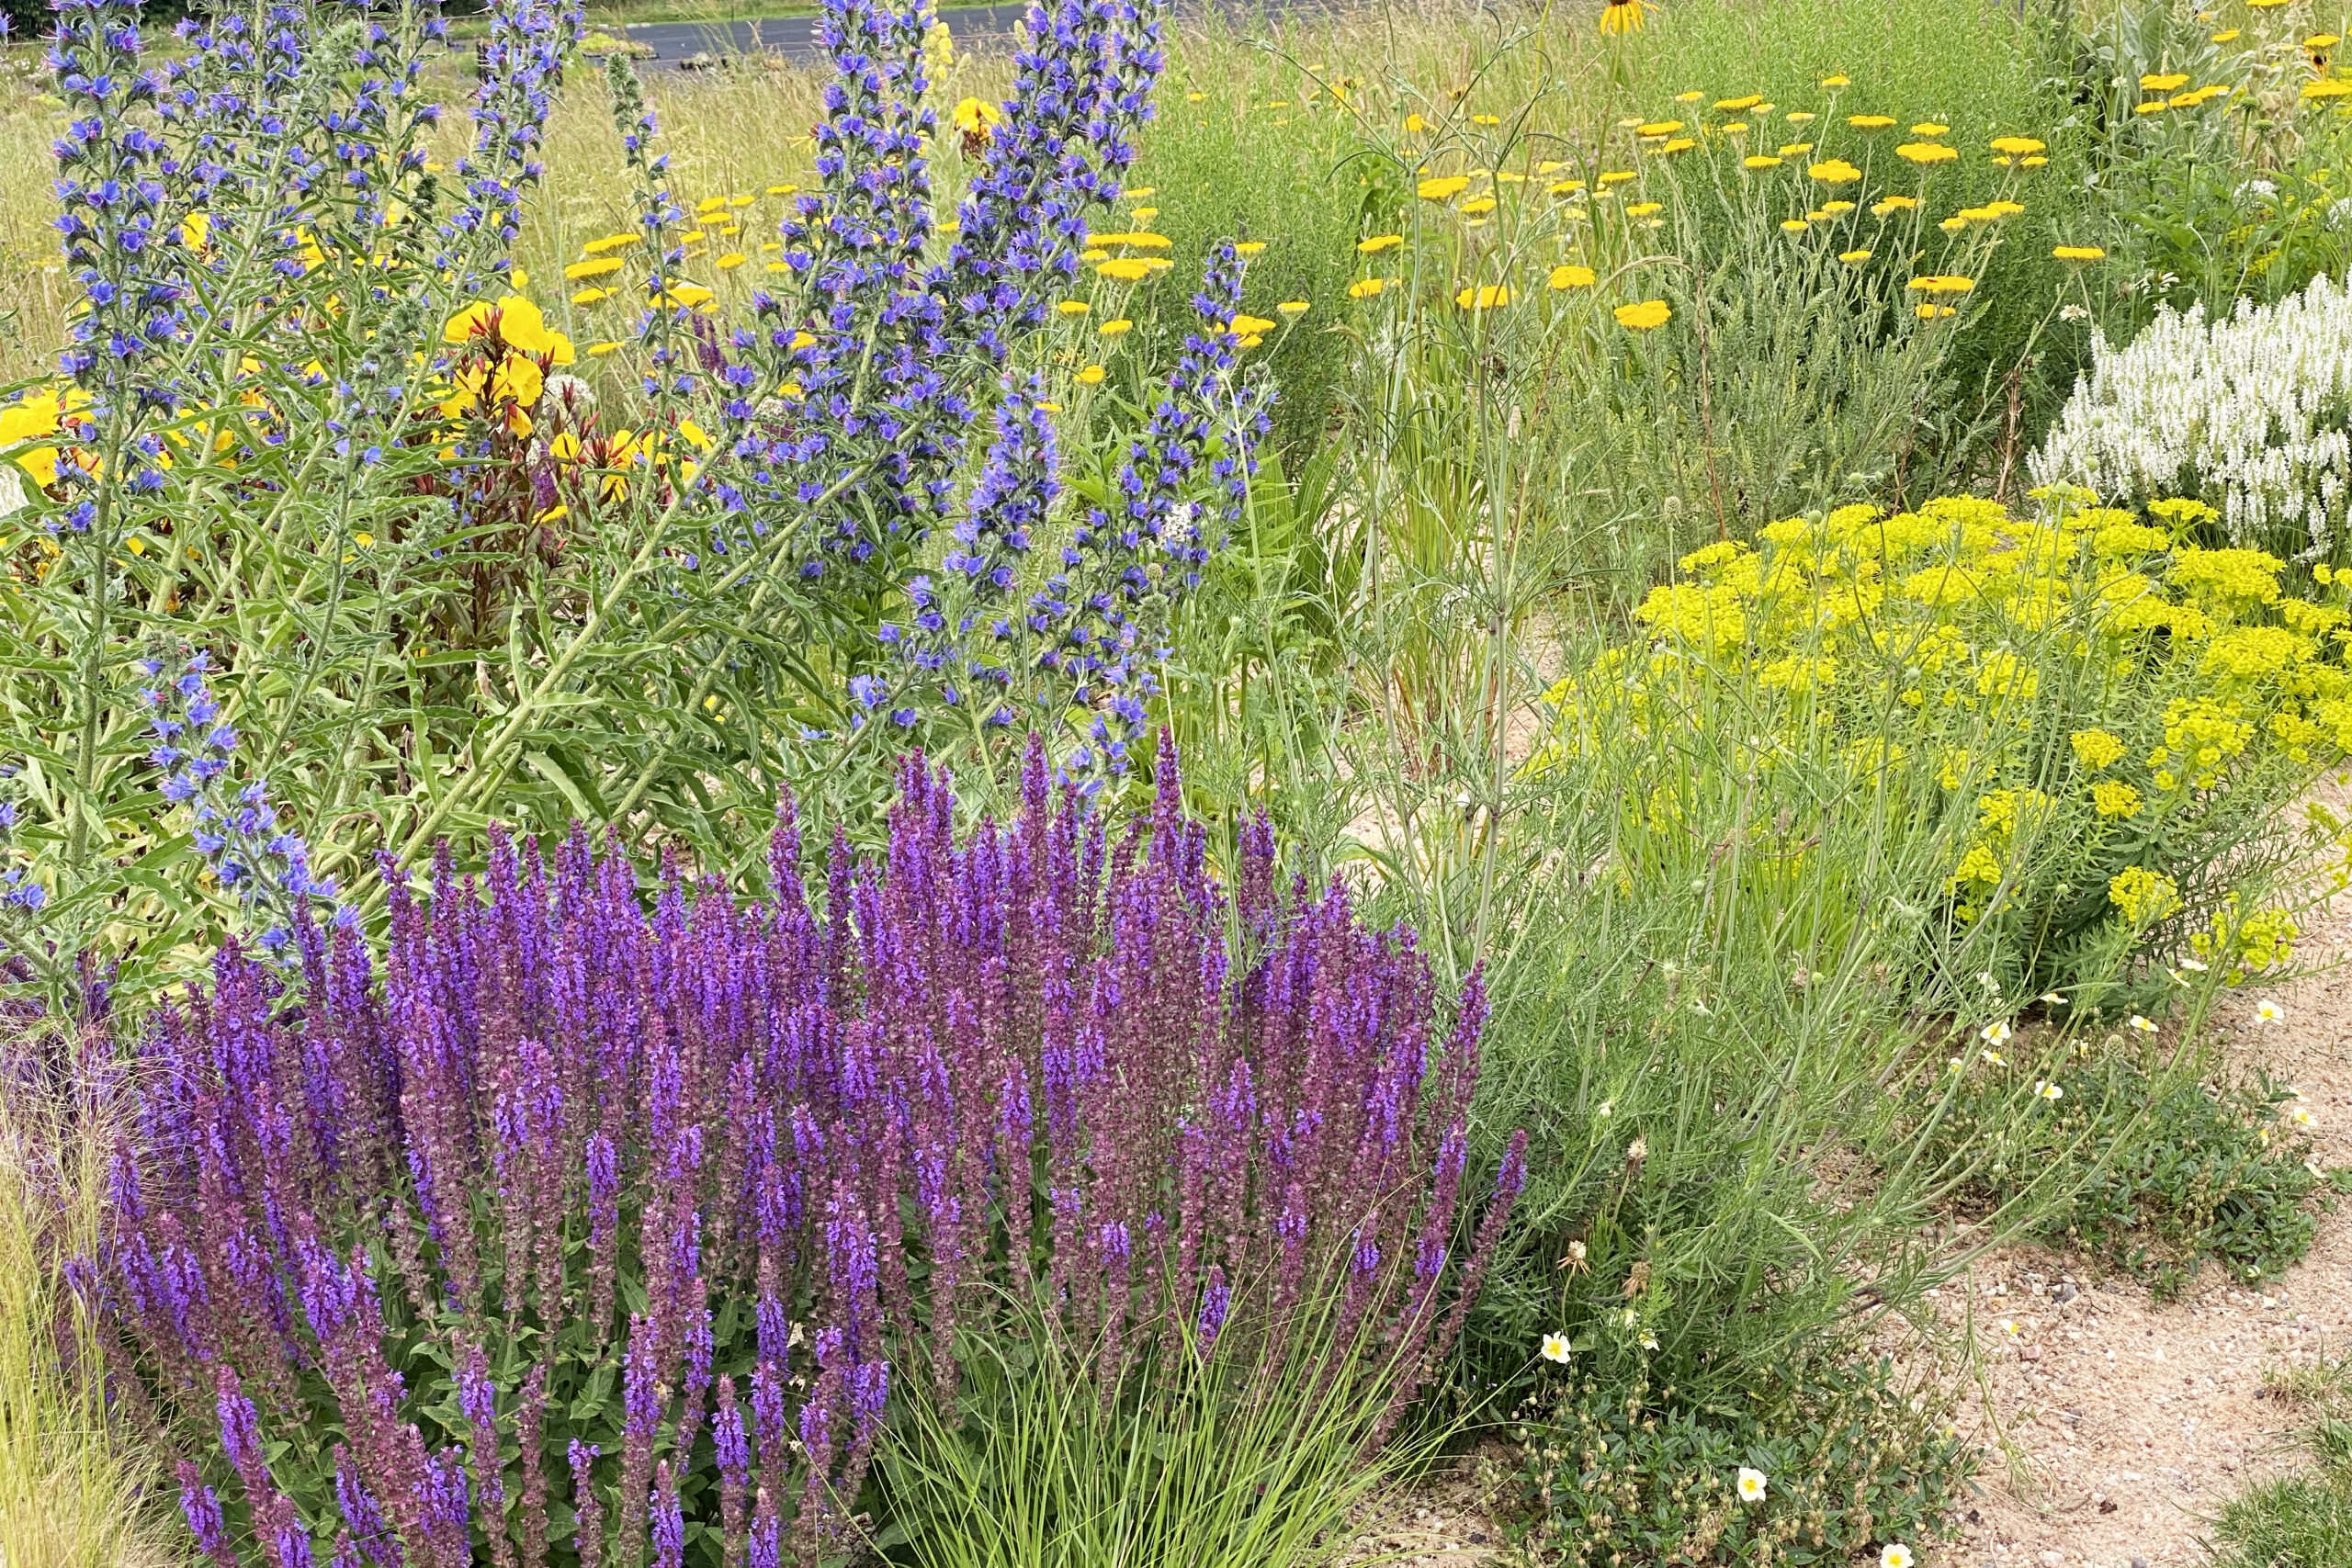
1850	1461
1222	1457
2231	198
2141	1160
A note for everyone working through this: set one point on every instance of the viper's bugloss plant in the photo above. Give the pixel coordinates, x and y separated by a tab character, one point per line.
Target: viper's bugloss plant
485	1260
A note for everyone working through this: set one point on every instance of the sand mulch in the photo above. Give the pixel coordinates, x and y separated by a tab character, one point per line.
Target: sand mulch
2114	1427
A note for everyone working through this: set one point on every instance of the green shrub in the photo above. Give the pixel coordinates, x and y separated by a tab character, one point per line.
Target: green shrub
1847	1462
2142	1163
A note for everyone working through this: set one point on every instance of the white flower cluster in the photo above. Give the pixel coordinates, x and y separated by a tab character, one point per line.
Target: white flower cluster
2249	414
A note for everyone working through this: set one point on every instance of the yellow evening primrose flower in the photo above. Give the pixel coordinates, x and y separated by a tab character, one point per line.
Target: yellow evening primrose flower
1643	316
976	117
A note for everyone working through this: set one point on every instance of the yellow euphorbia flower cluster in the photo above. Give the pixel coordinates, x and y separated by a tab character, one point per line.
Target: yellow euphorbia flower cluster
1959	635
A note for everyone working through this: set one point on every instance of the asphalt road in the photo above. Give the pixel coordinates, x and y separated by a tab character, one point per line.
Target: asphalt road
692	44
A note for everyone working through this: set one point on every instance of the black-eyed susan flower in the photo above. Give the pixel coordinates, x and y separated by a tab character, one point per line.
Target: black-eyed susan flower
1621	17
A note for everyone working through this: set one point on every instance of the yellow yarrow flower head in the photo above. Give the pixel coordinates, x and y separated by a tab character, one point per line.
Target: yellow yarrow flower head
1645	316
1835	172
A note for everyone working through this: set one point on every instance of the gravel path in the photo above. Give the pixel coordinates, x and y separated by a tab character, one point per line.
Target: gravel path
2125	1424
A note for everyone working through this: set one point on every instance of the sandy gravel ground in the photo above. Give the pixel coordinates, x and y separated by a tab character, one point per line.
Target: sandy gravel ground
2114	1427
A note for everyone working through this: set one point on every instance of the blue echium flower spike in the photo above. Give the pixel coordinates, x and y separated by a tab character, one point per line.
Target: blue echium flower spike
962	644
262	863
1103	618
521	61
117	243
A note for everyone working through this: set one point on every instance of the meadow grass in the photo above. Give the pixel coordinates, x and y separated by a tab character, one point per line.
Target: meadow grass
75	1485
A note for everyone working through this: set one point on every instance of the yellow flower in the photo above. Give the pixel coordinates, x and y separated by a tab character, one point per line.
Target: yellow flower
1487	296
1733	106
2078	252
1835	172
976	117
1415	125
1479	204
1073	306
1644	208
1249	325
731	261
1793	225
2113	797
1928	313
1365	287
591	296
1761	161
2326	87
1443	188
1126	270
2163	84
1679	144
1641	318
1658	128
2227	35
1621	17
1244	248
1942	284
611	242
2016	145
1379	242
1569	275
1090	376
1886	205
1928	152
1796	149
1115	327
1485	119
2143	895
1841	80
1929	127
1855	257
1294	308
1870	121
596	268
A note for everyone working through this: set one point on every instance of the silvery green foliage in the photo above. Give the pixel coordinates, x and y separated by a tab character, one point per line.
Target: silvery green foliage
2249	413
